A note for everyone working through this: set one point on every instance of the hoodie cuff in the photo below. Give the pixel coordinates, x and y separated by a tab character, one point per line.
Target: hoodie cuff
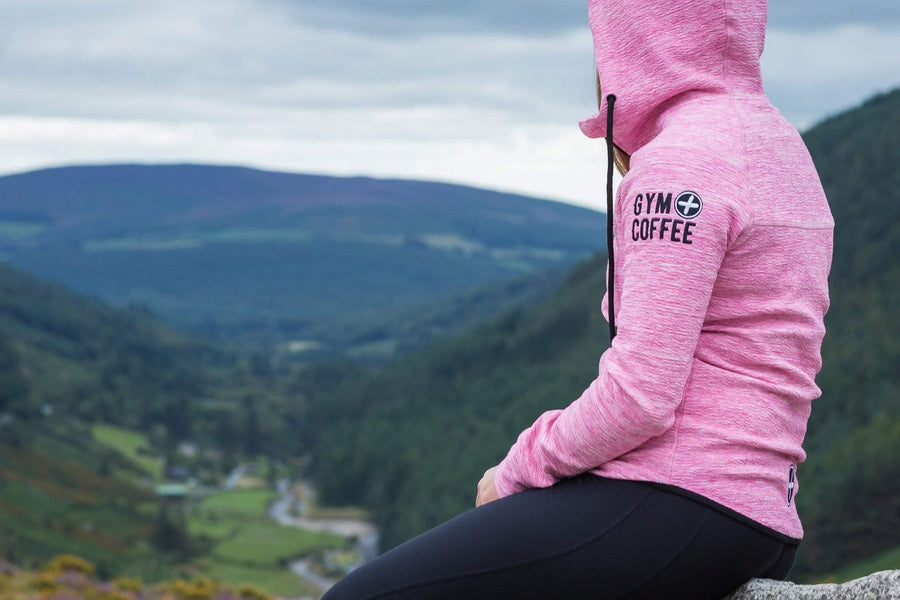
502	484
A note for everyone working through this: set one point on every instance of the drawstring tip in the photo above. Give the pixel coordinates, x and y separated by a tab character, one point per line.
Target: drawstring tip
610	103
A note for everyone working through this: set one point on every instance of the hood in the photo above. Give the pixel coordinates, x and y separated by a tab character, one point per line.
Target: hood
650	53
651	56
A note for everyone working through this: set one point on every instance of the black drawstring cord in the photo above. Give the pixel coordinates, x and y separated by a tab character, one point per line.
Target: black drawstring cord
610	101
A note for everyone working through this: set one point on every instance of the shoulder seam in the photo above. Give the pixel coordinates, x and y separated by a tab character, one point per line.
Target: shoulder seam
794	225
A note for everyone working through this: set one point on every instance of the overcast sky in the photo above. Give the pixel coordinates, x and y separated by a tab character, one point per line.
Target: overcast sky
483	92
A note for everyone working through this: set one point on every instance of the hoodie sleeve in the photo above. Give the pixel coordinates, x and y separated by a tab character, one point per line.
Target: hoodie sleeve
672	231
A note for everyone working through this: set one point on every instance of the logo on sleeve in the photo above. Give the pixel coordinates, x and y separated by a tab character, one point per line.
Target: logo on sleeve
688	204
652	223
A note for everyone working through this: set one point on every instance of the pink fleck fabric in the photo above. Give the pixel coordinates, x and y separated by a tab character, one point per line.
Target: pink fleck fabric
722	248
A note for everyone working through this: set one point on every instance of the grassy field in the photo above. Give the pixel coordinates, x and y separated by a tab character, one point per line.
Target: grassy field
131	445
247	546
198	239
17	230
240	503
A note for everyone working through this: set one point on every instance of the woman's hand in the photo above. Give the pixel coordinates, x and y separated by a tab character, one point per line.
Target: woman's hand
487	491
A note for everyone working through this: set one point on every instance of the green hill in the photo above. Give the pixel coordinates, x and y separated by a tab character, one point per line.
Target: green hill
242	253
378	336
851	511
64	355
67	359
55	497
75	356
71	367
411	440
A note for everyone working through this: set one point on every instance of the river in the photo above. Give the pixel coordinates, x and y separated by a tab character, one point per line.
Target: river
364	533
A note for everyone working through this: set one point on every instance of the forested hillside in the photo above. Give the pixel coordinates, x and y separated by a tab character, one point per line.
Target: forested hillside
240	253
72	354
67	355
853	508
70	368
412	440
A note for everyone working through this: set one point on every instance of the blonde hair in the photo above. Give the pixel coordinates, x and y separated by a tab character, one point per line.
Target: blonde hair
620	157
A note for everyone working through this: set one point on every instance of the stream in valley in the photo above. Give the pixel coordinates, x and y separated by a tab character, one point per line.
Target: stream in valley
289	510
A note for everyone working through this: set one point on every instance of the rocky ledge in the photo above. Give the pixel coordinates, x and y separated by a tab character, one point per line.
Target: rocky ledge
883	585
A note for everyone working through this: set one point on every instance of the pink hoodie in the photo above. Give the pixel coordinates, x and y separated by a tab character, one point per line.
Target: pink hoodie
720	260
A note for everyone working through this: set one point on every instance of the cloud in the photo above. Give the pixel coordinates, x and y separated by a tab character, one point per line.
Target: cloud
480	92
812	74
540	17
415	18
808	15
179	53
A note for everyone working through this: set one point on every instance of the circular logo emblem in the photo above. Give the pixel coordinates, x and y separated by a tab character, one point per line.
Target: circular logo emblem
792	478
688	204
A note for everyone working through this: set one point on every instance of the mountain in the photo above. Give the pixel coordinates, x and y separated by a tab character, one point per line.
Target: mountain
411	440
235	251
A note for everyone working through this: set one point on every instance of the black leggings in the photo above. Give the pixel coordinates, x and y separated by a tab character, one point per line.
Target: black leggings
585	537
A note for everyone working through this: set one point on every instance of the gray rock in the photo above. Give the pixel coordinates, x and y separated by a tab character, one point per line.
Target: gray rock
883	585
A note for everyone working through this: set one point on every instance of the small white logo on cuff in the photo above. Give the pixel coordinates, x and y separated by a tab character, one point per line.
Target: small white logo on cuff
792	482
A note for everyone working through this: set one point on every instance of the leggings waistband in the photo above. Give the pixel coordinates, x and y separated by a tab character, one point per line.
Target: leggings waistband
773	533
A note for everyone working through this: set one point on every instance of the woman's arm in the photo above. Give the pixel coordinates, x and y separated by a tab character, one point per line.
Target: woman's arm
669	258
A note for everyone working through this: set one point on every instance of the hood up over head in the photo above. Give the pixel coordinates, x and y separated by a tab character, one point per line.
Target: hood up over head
650	55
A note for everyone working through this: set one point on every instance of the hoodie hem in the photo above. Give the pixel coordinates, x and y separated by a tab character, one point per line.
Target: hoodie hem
727	511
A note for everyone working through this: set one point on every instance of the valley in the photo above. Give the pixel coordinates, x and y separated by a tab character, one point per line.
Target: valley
206	393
